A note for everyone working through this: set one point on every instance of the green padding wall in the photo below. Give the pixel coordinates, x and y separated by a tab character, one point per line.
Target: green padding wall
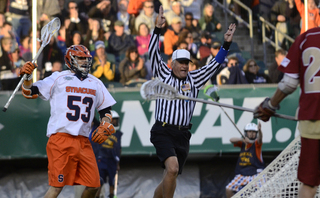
23	126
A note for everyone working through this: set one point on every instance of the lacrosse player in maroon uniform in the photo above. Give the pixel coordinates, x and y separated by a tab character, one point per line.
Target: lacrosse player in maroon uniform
302	65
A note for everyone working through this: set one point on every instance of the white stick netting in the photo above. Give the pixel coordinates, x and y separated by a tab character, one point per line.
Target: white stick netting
155	89
49	30
279	179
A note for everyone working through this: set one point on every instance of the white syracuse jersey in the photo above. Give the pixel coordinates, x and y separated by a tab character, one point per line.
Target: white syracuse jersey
73	102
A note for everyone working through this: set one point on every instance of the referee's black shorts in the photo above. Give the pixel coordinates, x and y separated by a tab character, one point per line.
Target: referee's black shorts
170	141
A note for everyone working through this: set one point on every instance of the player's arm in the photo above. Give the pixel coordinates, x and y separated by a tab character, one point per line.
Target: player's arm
236	140
268	107
286	86
28	90
259	134
105	129
105	115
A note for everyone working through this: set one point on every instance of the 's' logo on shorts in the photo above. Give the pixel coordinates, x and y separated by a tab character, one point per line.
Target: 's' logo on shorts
60	178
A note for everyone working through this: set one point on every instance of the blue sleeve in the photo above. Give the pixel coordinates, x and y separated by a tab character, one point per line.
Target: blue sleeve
93	129
221	55
90	136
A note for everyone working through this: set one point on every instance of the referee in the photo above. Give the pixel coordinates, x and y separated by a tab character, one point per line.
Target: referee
170	134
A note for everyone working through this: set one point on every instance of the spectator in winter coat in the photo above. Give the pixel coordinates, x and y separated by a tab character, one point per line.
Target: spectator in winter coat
103	11
278	18
84	8
94	33
18	15
123	15
176	10
231	74
251	70
171	35
101	67
194	30
208	21
132	67
142	40
204	46
77	23
119	41
147	15
8	75
186	36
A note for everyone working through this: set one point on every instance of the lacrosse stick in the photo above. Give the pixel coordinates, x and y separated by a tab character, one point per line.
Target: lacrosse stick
115	185
46	33
211	92
156	89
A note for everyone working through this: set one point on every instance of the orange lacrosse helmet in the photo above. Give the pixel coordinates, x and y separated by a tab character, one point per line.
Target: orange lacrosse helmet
79	60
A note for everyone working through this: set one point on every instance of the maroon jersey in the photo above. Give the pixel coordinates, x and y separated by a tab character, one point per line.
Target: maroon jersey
303	60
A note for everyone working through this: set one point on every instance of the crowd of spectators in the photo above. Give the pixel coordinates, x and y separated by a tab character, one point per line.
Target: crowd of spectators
117	33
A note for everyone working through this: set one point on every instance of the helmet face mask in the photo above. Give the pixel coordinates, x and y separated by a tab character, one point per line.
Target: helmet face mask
115	123
251	138
251	127
79	60
83	64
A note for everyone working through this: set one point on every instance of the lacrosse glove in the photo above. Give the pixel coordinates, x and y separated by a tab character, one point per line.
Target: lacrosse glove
264	111
28	68
102	133
27	93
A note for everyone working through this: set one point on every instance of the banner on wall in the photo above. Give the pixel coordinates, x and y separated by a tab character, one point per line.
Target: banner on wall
23	126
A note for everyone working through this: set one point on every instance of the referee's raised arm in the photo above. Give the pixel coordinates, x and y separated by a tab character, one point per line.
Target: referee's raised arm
159	68
202	75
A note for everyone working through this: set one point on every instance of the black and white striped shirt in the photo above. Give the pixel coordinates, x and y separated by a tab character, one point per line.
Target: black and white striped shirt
178	112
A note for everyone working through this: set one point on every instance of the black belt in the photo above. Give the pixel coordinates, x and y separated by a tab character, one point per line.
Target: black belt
179	127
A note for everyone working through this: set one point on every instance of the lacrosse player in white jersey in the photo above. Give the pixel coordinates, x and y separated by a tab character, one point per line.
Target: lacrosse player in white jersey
74	95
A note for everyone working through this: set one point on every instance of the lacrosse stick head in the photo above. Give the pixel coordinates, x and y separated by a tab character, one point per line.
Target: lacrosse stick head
49	30
211	91
155	89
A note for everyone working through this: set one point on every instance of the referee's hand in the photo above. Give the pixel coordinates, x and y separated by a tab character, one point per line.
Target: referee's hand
161	20
229	34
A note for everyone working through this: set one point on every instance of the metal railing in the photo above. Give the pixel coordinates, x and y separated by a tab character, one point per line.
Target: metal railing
265	39
238	18
249	25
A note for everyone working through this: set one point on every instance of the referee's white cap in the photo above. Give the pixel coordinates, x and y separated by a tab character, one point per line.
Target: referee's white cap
181	55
